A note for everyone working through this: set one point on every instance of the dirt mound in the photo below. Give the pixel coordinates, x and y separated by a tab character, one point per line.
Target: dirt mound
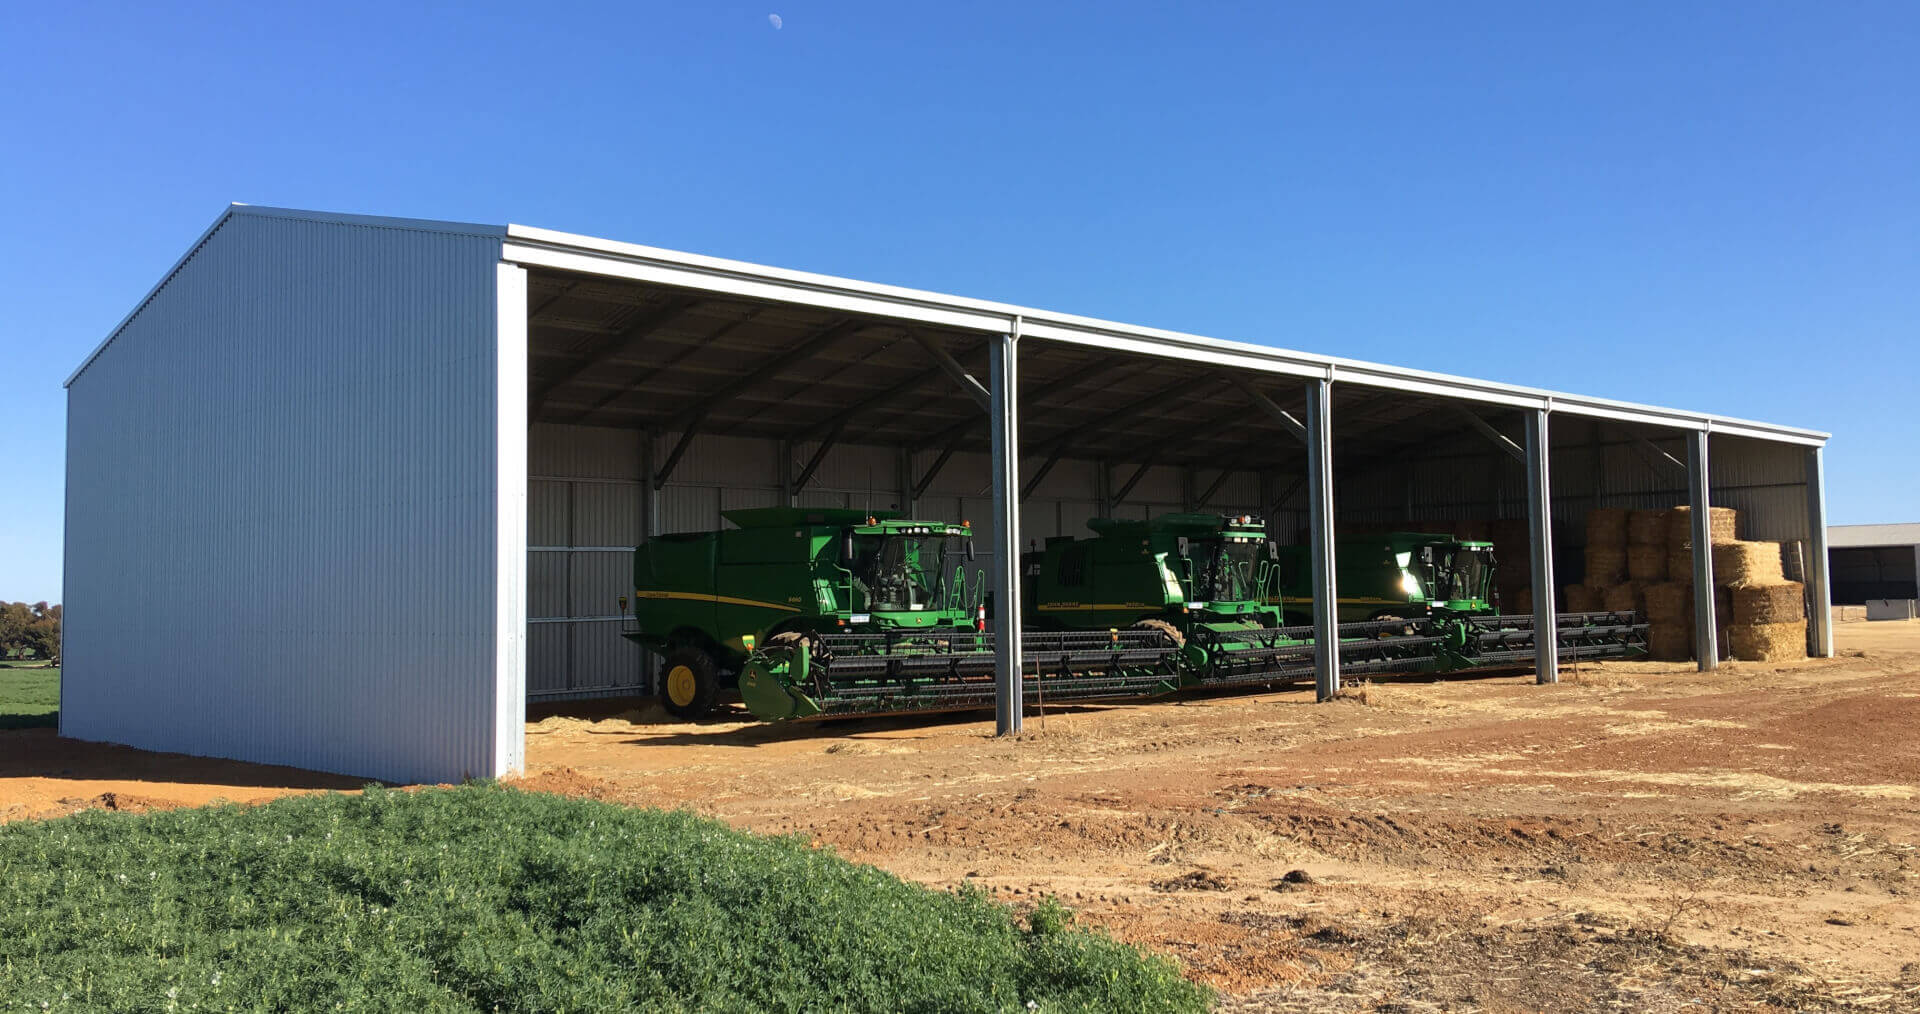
123	802
563	781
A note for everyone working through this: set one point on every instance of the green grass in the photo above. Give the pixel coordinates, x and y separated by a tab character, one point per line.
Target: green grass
485	898
29	698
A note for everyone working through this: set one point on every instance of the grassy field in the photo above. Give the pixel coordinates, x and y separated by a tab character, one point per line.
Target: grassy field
487	898
29	697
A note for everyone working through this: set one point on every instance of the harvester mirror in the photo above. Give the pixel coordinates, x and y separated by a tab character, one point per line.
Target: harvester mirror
1273	551
1182	542
846	546
969	549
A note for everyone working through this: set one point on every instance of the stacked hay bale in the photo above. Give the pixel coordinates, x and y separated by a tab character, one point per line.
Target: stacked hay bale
1721	524
1606	557
1670	621
1768	617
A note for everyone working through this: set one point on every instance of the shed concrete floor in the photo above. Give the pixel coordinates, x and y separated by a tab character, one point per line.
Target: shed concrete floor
1641	835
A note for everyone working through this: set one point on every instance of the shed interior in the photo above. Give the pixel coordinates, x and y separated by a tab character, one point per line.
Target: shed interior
652	409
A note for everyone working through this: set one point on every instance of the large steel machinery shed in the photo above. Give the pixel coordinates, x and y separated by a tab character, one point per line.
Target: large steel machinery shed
347	492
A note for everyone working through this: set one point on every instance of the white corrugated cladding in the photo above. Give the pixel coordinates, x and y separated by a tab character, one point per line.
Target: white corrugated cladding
282	506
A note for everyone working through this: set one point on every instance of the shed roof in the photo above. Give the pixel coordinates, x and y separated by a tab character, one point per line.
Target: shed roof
1858	536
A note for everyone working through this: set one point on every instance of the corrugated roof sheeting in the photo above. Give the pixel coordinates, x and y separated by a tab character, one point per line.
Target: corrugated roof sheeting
266	476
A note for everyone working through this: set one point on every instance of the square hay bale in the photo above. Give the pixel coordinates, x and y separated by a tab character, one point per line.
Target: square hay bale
1769	603
1606	564
1580	598
1647	563
1768	642
1679	563
1670	602
1521	602
1606	526
1722	522
1670	642
1744	563
1647	528
1626	597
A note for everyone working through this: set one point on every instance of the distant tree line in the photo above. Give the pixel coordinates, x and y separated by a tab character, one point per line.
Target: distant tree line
29	630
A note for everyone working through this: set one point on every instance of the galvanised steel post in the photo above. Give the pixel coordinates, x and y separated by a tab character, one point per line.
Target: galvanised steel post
1706	632
1326	603
1819	592
1003	410
1546	632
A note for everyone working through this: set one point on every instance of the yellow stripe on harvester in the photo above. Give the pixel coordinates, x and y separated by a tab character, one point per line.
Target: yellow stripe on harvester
722	599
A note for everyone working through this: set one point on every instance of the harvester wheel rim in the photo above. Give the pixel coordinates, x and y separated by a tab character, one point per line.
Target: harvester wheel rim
682	685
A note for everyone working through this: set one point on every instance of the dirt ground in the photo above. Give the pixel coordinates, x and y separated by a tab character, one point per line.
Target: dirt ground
1640	836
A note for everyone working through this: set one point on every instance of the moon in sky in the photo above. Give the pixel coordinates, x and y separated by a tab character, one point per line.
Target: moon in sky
774	20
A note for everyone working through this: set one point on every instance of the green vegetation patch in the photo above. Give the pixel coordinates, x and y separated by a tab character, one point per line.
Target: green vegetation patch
29	698
487	898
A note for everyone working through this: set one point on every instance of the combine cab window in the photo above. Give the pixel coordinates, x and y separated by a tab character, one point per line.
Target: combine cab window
1224	569
903	573
1459	573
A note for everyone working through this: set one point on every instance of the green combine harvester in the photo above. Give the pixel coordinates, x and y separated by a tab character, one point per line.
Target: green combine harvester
831	612
839	612
1396	576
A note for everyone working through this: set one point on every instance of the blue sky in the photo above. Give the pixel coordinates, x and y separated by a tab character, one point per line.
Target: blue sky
1714	206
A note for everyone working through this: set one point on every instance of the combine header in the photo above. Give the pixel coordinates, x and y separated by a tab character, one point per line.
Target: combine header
839	612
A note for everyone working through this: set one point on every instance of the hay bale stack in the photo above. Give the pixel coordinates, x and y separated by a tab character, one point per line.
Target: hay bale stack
1769	642
1679	563
1626	597
1606	526
1670	642
1670	602
1755	604
1722	522
1580	598
1736	564
1647	563
1606	565
1647	528
1522	601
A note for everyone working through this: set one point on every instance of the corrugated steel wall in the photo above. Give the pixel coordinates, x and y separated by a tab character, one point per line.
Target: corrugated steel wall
281	506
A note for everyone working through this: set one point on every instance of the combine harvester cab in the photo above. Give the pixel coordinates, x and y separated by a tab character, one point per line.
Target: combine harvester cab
757	600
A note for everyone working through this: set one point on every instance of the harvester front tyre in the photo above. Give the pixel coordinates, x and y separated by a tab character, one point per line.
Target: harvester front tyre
1173	633
690	683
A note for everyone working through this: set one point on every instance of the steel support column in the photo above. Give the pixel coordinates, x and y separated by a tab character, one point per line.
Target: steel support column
1004	420
1706	632
1819	592
1326	603
1546	639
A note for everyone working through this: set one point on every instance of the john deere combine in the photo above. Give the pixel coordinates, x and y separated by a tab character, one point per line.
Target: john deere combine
1397	575
811	612
835	612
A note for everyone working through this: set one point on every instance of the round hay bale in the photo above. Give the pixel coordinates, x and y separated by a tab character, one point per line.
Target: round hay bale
1606	526
1722	522
1743	563
1647	528
1647	563
1606	564
1670	602
1622	598
1768	642
1580	598
1769	603
1670	642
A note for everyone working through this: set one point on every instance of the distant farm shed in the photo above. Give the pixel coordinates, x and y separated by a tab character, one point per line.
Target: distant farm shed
346	492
